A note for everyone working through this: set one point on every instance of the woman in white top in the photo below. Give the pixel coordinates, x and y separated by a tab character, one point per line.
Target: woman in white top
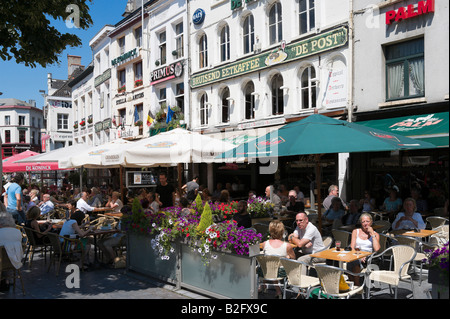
115	203
277	247
367	239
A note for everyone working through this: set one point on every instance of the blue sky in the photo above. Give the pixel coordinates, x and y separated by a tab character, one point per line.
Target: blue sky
23	83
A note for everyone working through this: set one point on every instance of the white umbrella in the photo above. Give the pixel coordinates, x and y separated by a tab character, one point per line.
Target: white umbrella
90	157
168	149
60	154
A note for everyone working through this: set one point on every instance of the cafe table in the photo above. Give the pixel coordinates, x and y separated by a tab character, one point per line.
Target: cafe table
342	256
422	233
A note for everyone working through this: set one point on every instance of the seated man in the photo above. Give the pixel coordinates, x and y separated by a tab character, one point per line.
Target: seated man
334	212
46	205
307	238
352	217
294	206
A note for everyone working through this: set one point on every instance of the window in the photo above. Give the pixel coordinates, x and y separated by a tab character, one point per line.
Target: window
225	43
121	78
122	116
63	121
249	34
275	24
7	120
39	123
138	36
179	95
308	88
22	136
405	70
162	47
306	15
162	97
179	41
21	120
277	95
204	110
138	74
225	105
249	101
138	113
121	45
7	136
33	138
203	52
32	122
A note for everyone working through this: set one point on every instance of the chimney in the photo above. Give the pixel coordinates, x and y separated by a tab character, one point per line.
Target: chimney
32	102
73	63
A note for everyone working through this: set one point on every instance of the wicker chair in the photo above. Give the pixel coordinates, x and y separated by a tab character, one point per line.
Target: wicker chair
5	265
58	252
402	256
33	246
330	278
296	282
436	221
343	236
269	266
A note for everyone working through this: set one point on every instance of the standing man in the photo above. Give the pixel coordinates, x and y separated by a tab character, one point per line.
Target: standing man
191	189
13	199
165	191
333	191
307	238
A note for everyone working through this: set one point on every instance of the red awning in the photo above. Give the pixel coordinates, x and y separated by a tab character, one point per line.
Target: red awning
9	166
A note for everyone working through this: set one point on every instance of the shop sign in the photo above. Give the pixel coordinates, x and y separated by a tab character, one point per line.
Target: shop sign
321	43
107	123
410	11
336	89
198	17
98	127
138	96
58	103
236	4
418	123
121	101
124	56
102	77
171	71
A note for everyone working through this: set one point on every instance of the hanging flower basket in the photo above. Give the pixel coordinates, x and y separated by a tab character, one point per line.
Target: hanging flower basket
82	123
75	126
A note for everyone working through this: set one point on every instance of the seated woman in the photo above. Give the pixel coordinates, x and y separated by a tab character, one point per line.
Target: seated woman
115	203
41	230
409	219
277	247
393	203
72	227
367	239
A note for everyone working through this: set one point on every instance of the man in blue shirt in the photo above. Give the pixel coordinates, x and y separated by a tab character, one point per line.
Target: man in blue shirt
13	199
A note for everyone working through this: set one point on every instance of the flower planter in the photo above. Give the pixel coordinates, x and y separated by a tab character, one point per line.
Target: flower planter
439	284
227	276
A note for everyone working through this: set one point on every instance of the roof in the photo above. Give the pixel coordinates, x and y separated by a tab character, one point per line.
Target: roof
14	102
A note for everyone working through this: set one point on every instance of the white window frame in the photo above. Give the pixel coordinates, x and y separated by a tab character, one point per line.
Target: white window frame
276	26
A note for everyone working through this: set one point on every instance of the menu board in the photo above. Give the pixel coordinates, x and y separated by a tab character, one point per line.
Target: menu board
140	179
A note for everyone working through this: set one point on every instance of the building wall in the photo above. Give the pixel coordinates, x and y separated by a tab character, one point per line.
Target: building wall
372	35
83	109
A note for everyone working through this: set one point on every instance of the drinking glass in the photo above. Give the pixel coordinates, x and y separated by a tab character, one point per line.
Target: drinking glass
357	249
338	245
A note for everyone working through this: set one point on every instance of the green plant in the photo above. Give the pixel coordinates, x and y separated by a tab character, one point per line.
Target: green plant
438	259
205	220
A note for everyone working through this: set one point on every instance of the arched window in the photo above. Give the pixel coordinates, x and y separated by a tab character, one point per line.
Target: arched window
249	101
204	109
308	88
277	95
275	24
203	52
249	34
225	43
306	15
225	105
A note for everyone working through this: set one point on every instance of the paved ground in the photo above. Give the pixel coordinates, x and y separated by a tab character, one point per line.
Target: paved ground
104	283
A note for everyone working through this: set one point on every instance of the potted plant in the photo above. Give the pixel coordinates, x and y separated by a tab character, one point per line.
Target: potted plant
138	123
83	123
121	89
90	120
75	125
138	83
438	273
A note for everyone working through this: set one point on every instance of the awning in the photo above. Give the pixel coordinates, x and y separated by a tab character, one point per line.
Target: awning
432	128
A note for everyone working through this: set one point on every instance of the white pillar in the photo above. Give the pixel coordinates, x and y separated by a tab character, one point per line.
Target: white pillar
342	171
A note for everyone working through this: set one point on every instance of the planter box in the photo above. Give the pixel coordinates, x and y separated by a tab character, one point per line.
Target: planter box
439	284
228	276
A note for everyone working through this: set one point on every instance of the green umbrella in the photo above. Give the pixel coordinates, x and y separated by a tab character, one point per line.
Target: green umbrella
319	134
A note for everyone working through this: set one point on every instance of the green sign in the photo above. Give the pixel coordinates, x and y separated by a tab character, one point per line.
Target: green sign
107	124
102	77
314	45
124	56
236	4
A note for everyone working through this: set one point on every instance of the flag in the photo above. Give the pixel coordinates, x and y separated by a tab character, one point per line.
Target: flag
149	118
169	115
136	115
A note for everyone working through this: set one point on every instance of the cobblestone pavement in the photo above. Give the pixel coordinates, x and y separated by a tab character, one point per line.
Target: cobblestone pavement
106	283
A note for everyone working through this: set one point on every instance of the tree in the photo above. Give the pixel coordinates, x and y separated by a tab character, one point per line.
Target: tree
27	36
